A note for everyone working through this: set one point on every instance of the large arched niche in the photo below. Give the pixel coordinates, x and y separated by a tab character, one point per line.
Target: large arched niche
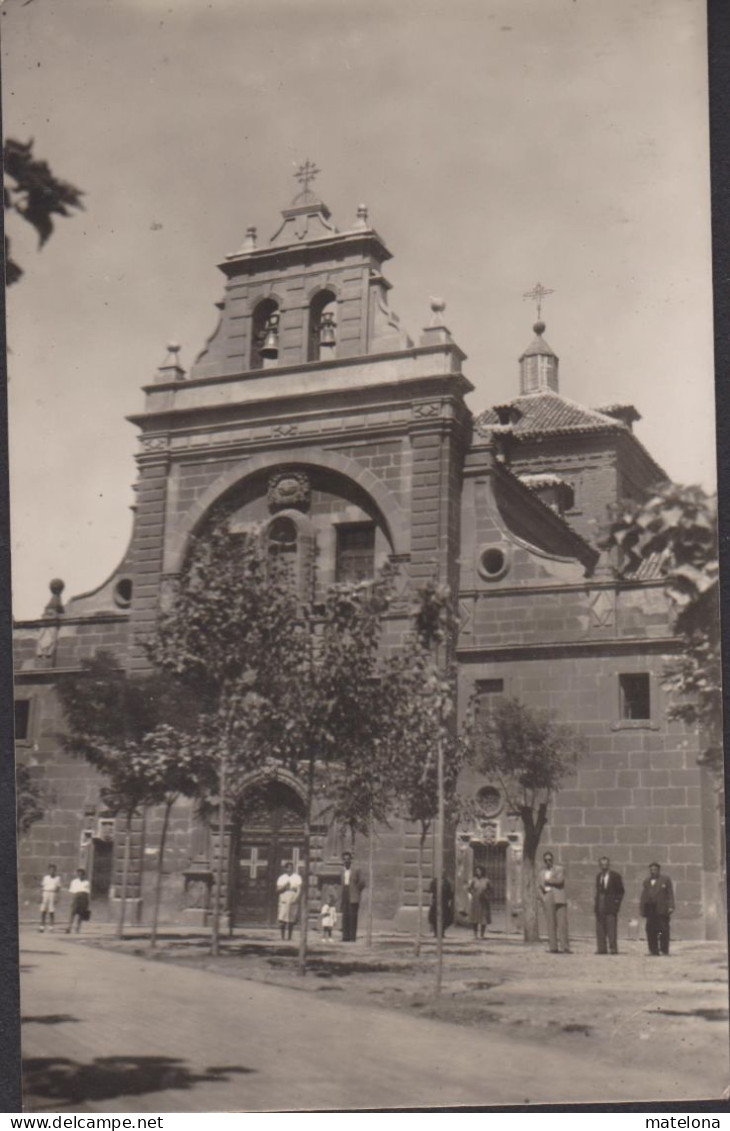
341	492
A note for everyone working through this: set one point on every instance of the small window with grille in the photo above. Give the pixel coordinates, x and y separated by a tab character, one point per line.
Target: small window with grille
488	693
634	696
283	545
355	560
22	720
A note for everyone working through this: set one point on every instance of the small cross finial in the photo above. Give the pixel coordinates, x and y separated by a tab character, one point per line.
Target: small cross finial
537	294
305	174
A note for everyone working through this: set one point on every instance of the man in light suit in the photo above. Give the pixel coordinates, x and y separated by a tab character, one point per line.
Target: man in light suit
609	893
555	905
352	885
656	906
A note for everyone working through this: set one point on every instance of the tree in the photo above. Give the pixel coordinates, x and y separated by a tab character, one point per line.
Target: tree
33	192
326	714
227	641
676	530
122	727
363	791
429	752
530	754
29	799
168	760
418	696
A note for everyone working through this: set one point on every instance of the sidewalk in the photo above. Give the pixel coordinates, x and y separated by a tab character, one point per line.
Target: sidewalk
105	1031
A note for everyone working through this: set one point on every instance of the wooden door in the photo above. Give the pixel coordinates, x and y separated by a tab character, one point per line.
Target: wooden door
270	833
493	859
255	866
102	854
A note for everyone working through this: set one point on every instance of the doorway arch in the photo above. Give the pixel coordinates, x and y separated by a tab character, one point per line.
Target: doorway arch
268	831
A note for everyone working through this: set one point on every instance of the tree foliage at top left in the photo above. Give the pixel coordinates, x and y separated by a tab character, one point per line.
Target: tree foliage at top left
35	193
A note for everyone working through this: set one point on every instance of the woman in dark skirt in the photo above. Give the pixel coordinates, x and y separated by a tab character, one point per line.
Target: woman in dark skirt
80	890
480	909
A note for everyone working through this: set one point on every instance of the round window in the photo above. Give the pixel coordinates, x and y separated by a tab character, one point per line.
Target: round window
123	593
489	800
283	532
493	562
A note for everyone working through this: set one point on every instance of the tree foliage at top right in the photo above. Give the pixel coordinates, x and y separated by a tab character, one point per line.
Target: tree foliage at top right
676	530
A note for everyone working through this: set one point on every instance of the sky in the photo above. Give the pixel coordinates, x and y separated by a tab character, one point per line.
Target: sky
496	143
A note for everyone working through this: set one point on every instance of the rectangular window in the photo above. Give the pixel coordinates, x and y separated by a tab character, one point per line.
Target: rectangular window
22	719
487	693
634	696
487	687
355	560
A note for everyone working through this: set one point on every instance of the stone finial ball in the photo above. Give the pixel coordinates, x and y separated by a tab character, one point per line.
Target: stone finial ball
539	327
173	347
438	306
56	586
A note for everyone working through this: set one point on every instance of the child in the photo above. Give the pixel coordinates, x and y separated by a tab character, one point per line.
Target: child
328	913
50	887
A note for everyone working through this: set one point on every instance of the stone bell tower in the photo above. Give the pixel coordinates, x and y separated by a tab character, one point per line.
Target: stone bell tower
309	371
312	294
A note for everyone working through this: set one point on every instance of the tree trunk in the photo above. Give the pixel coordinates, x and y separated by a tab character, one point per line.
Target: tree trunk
216	922
160	862
304	909
419	881
371	875
530	924
440	871
533	826
125	877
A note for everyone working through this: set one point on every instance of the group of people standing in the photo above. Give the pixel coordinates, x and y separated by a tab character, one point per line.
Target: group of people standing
656	905
80	892
352	883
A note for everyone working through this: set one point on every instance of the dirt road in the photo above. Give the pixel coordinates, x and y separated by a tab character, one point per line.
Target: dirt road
113	1032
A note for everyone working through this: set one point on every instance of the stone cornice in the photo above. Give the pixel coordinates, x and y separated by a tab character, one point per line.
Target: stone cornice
254	375
588	586
472	653
309	405
65	620
284	255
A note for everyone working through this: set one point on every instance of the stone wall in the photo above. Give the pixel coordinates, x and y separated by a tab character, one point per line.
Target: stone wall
637	795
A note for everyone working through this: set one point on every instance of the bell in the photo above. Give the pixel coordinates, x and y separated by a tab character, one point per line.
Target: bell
270	348
327	336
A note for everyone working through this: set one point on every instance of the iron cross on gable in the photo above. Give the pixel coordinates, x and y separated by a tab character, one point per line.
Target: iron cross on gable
305	174
537	294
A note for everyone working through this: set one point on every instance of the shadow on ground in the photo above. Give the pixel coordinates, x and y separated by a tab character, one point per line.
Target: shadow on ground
67	1082
336	968
705	1014
48	1019
55	953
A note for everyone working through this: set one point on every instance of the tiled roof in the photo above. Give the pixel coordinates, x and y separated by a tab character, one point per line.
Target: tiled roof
546	411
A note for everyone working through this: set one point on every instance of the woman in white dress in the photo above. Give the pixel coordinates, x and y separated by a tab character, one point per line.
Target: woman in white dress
289	886
80	890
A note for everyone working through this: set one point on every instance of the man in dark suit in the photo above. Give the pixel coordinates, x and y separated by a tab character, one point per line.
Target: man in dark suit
352	885
609	893
656	906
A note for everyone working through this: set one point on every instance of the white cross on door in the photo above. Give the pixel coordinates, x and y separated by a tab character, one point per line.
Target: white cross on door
253	863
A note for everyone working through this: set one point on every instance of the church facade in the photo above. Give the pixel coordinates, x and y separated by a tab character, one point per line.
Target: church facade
312	415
